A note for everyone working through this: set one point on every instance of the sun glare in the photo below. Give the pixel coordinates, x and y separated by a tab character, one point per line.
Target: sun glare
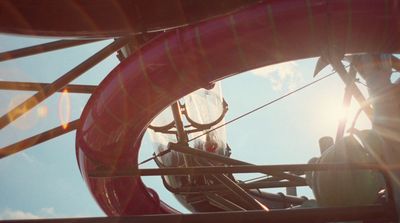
332	114
341	113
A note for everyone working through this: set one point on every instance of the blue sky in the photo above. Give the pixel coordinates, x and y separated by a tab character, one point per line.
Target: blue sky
44	181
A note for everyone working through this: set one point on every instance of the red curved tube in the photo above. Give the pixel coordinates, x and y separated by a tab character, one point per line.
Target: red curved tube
107	18
181	61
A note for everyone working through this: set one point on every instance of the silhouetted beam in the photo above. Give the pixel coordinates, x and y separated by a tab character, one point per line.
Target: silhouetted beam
246	200
240	193
371	213
219	187
349	82
348	95
43	48
207	170
31	86
223	203
37	139
227	160
61	82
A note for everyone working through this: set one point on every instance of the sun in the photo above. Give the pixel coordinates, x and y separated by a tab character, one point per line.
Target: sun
335	113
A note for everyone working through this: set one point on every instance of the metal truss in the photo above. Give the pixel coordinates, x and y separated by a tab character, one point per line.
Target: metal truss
45	90
212	165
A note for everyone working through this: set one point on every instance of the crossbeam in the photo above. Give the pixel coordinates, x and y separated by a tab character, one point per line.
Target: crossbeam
37	139
62	81
219	187
32	86
316	215
207	170
227	160
43	48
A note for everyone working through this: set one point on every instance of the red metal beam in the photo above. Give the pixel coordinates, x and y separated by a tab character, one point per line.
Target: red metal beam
107	17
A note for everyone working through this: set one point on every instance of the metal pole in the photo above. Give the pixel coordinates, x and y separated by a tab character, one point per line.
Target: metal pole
348	94
218	187
248	201
229	161
207	170
61	82
377	213
349	82
182	137
31	86
37	139
176	112
223	203
43	48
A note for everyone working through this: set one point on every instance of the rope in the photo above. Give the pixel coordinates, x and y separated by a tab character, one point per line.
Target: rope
245	114
155	156
265	105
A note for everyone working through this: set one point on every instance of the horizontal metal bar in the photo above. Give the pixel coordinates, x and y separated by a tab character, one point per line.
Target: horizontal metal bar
37	139
43	48
315	215
227	160
242	195
289	199
207	170
216	188
32	86
223	203
221	188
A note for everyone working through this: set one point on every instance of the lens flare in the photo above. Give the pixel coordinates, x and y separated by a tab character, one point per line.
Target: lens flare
42	111
27	120
64	108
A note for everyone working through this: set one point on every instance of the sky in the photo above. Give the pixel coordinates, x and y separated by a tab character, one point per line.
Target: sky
44	181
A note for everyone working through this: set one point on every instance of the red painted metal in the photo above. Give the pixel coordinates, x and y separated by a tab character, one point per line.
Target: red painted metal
183	60
106	18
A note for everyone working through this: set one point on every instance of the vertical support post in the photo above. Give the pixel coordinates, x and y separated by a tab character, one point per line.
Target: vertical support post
176	112
181	133
348	94
338	66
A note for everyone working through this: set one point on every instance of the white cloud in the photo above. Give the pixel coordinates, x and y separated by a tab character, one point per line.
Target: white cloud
48	211
282	76
17	214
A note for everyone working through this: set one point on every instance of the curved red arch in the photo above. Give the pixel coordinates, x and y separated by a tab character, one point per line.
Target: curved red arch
183	60
107	18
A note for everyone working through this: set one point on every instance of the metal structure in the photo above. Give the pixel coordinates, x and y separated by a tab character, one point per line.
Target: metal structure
161	92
